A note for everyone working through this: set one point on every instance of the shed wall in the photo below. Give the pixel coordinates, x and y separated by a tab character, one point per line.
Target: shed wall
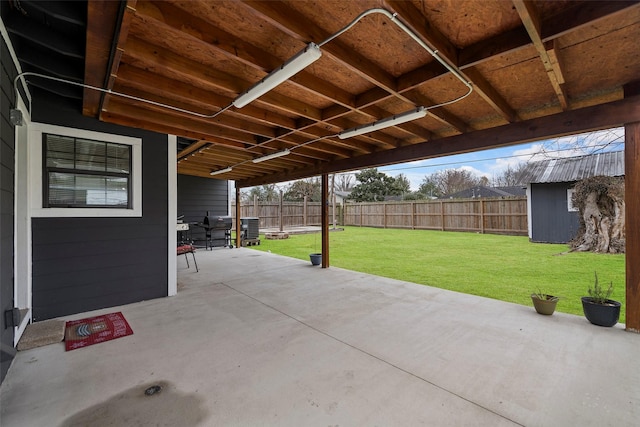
196	197
551	221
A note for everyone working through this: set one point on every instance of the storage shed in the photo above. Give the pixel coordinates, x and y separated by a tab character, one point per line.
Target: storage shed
550	213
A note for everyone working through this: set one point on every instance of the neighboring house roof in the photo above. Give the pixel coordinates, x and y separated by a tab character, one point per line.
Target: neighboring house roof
484	192
572	169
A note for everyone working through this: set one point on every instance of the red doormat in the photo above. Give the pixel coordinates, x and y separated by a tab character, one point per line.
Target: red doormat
93	330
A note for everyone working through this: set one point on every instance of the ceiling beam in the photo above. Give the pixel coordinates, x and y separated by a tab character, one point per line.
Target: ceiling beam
584	13
117	49
531	20
100	31
586	119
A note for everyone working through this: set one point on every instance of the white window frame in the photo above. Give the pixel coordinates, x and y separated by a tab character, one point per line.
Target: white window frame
36	173
570	207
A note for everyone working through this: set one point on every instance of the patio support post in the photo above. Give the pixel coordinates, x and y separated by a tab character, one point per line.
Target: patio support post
238	222
325	220
632	216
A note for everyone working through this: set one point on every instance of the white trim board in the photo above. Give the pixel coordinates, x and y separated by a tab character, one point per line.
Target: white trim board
172	212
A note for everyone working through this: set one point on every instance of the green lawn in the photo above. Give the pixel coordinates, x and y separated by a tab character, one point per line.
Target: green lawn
507	268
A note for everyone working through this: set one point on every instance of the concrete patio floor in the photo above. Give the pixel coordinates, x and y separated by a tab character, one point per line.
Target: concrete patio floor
255	339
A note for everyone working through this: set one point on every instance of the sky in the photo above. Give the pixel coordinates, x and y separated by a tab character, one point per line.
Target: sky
492	163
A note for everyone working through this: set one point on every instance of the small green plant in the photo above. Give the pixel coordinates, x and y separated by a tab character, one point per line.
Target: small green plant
598	294
541	295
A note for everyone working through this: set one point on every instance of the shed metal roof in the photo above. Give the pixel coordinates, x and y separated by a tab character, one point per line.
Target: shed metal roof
574	168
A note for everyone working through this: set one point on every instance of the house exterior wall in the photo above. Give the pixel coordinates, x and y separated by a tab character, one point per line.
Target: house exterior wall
196	197
82	264
551	220
7	200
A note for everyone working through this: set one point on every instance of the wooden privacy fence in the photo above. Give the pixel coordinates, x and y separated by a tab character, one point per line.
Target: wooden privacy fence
292	214
494	216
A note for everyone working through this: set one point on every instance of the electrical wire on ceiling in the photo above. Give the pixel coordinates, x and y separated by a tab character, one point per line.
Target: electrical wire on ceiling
302	59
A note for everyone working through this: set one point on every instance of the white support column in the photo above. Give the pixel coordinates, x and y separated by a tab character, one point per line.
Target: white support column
172	213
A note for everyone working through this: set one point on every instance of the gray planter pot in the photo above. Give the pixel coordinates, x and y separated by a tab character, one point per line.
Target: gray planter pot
316	259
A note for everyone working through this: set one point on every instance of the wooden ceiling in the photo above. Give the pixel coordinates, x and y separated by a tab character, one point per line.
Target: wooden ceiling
537	68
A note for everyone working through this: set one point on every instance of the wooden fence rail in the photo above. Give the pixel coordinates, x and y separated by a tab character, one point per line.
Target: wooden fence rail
493	216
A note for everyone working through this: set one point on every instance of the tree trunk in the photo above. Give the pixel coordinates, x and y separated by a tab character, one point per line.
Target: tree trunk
604	227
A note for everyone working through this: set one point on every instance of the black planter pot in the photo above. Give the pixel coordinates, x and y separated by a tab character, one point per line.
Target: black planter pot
601	314
316	259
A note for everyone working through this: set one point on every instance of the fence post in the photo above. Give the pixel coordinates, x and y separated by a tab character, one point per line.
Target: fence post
441	215
256	207
384	215
304	211
481	216
281	213
413	215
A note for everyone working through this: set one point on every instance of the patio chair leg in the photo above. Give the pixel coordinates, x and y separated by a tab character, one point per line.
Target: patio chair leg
187	258
194	260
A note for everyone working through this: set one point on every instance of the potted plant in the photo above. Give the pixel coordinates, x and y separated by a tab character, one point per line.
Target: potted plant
598	308
544	303
316	259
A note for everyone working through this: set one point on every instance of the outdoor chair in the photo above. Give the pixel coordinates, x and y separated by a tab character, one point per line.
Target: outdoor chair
188	249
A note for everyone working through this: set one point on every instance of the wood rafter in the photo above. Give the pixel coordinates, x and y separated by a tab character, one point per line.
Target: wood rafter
550	58
129	9
198	56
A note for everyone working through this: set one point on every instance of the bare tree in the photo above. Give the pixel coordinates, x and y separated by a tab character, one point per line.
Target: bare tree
581	144
344	182
510	176
451	181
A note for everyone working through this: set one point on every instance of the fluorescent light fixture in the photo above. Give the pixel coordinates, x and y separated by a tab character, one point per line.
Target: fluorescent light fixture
218	172
272	156
300	61
416	113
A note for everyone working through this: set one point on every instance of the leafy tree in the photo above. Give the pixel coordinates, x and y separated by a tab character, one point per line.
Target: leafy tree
310	187
264	193
375	185
429	187
402	184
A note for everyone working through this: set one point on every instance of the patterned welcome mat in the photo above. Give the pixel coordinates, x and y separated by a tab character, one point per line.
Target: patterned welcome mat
93	330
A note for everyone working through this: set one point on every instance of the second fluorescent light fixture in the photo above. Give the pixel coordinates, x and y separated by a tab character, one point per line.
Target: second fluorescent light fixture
271	156
299	62
408	116
218	172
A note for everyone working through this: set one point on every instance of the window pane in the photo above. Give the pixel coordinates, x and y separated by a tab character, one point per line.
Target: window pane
66	189
94	176
60	151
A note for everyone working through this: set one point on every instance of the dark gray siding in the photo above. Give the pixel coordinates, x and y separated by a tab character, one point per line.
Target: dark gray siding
7	168
551	222
198	195
82	264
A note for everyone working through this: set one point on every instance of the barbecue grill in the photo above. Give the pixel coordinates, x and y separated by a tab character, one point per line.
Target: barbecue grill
217	228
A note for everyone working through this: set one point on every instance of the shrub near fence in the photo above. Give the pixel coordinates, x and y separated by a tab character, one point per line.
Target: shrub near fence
494	216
